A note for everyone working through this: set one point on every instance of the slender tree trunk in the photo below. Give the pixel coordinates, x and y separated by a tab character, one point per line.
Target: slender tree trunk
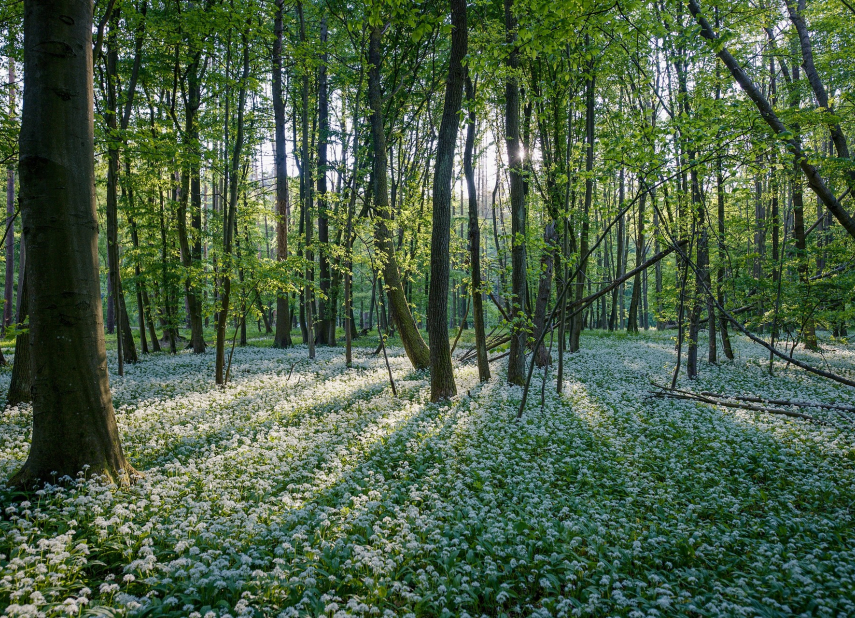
326	323
230	218
10	217
282	338
519	327
808	327
620	267
308	219
126	347
20	387
632	321
576	322
74	426
415	347
475	240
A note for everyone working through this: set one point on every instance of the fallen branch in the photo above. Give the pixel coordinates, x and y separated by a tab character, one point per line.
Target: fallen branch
676	393
783	402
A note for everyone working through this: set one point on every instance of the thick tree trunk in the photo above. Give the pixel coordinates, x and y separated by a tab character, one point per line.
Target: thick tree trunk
415	347
519	327
442	384
74	426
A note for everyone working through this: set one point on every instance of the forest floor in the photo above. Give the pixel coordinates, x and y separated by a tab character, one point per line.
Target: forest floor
308	489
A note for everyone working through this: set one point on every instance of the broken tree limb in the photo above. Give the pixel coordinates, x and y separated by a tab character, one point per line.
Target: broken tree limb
675	393
638	269
768	114
745	331
783	402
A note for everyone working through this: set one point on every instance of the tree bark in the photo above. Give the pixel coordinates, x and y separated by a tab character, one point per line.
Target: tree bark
308	219
519	327
282	338
20	387
74	426
326	323
9	288
415	347
475	239
230	218
442	384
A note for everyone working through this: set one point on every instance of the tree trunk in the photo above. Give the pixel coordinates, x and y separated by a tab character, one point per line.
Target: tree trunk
442	384
74	426
126	347
519	327
230	218
415	347
576	323
635	302
326	323
306	176
475	240
22	370
620	268
282	338
10	217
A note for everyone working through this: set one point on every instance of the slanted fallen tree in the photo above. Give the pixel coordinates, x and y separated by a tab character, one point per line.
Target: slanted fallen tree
735	402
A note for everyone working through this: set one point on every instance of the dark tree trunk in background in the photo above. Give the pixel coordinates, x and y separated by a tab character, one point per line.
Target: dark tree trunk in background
282	338
326	323
22	370
519	330
191	194
229	219
124	338
615	318
415	347
475	240
74	426
635	302
9	288
576	323
306	181
442	384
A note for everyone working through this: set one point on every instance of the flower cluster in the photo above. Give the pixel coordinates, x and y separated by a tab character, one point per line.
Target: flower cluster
307	489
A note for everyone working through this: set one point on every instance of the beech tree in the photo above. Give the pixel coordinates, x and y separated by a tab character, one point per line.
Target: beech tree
74	426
